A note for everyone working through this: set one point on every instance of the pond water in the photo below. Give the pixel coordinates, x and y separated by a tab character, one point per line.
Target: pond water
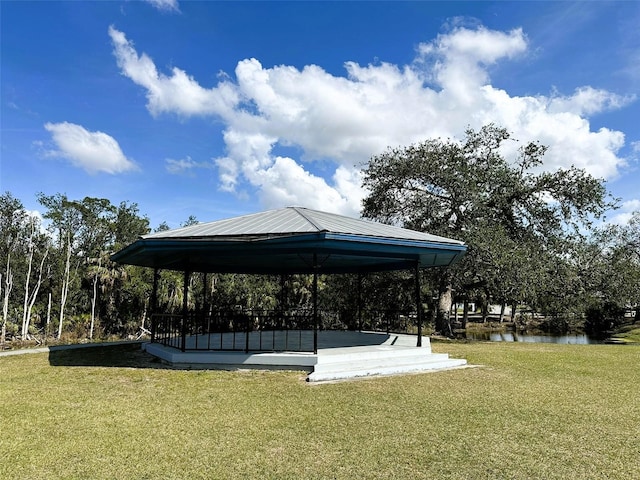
573	338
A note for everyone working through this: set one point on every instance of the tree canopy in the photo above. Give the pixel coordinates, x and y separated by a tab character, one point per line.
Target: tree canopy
518	220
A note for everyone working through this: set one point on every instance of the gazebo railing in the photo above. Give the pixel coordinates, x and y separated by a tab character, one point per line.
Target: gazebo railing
236	331
268	330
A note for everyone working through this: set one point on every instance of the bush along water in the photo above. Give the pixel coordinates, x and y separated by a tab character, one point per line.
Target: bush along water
603	319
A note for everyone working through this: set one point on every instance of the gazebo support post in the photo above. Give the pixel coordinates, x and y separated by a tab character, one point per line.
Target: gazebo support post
359	302
282	307
154	304
205	300
315	303
206	319
247	333
418	302
185	309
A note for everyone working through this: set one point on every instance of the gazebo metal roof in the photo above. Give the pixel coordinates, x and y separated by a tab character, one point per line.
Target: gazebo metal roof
290	240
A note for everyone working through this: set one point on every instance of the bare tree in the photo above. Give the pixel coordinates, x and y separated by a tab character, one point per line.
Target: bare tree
5	308
30	295
32	298
12	216
64	290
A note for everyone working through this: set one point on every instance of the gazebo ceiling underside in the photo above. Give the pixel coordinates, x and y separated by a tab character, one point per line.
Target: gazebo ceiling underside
288	254
291	240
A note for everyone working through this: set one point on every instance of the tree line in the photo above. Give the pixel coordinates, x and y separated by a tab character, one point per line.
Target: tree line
533	239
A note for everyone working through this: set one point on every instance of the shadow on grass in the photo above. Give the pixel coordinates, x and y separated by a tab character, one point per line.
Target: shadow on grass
129	355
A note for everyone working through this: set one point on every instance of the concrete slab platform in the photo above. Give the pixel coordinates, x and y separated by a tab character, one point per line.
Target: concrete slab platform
341	355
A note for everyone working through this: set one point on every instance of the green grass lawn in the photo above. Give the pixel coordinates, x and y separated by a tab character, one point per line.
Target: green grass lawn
531	411
629	334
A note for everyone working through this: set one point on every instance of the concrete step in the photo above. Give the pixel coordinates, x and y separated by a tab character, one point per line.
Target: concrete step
360	370
382	360
376	357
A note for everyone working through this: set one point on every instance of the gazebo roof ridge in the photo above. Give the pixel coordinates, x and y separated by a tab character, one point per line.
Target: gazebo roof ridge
298	210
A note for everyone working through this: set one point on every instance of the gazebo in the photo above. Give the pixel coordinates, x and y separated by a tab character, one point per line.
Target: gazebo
292	240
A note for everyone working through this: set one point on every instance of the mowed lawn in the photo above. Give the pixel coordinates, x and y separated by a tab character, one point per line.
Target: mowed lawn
530	411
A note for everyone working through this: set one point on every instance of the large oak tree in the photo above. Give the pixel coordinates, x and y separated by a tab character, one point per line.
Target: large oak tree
518	220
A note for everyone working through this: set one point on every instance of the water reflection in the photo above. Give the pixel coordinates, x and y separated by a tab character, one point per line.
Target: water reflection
574	338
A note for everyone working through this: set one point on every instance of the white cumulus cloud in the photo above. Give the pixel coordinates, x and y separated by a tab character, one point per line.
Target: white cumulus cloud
165	5
625	213
92	151
287	183
458	60
343	120
587	101
178	93
184	166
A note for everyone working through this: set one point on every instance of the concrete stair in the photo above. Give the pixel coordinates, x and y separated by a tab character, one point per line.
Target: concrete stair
380	360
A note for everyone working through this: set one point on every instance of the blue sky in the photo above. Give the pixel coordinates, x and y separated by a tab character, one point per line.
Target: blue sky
216	109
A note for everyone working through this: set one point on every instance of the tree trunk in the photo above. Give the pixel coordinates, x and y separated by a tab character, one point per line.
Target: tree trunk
503	307
443	320
3	333
144	313
65	285
25	323
46	331
34	293
94	298
465	313
93	306
485	310
8	285
30	297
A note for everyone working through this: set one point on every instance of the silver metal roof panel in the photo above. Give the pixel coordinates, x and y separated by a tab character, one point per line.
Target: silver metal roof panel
292	221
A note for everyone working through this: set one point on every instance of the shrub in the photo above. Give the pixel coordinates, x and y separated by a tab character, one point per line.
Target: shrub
603	318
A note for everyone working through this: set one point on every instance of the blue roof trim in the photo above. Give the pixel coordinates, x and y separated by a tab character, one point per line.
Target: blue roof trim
395	241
